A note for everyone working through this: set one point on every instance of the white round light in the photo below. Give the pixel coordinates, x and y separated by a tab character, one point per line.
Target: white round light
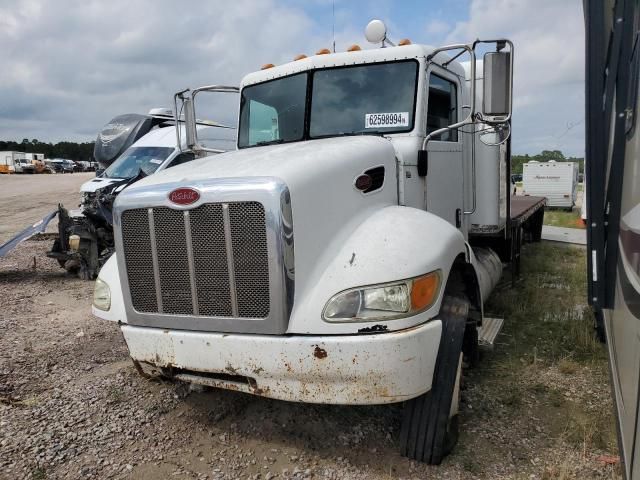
376	31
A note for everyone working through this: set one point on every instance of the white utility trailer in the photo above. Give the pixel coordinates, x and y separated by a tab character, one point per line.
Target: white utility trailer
13	162
556	181
343	252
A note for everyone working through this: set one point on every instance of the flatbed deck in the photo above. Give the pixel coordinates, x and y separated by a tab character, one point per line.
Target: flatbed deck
527	215
522	207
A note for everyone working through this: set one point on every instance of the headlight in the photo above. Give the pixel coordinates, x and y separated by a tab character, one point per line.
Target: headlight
384	302
102	295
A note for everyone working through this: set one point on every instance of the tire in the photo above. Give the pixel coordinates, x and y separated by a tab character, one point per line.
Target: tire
430	425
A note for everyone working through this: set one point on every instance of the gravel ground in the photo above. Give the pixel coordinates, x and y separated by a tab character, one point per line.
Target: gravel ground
72	406
25	199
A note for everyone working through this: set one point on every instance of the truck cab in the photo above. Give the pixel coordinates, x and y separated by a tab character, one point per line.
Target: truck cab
330	257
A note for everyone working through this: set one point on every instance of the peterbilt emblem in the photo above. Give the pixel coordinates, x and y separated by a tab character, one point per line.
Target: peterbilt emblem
184	196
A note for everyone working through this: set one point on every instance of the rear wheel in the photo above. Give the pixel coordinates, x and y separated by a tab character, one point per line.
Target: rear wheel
430	422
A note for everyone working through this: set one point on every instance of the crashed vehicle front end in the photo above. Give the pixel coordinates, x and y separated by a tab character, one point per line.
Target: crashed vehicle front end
85	235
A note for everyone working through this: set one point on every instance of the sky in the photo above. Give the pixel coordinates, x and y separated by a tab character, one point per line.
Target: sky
69	66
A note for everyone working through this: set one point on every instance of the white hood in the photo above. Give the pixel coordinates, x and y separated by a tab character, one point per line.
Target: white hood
320	175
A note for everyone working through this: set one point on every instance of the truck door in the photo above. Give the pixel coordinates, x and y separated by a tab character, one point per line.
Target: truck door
444	185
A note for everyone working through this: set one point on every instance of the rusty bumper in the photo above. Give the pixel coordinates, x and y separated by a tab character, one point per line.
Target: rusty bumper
335	369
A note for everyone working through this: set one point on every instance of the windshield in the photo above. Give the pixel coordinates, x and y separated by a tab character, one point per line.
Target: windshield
129	164
364	99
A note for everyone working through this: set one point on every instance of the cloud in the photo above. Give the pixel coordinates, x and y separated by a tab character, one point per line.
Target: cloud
75	64
70	66
437	28
549	67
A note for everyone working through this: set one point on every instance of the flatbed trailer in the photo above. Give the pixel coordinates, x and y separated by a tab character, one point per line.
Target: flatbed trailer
525	225
525	215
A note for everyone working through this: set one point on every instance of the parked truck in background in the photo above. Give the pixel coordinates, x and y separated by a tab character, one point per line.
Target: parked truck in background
556	181
15	162
343	253
37	160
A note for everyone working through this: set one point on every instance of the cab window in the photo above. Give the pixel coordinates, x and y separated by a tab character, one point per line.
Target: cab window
442	107
184	157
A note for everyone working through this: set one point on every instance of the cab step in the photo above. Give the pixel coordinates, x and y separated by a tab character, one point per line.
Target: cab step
488	332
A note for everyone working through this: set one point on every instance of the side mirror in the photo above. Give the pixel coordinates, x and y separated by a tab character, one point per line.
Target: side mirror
496	95
190	123
423	163
99	172
184	101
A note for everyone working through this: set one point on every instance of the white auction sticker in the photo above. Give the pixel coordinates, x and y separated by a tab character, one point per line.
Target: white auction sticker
156	161
386	120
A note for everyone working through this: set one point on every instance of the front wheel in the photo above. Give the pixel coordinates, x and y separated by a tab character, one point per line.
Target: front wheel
430	422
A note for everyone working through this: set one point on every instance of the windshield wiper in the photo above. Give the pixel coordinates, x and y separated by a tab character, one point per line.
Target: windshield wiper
270	142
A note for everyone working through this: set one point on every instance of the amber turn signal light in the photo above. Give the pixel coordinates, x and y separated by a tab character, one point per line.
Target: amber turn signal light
424	291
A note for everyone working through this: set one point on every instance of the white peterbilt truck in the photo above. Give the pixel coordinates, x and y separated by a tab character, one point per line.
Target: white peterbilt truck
342	253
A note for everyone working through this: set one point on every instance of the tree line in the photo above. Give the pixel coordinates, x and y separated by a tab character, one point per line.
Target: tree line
84	151
544	156
71	150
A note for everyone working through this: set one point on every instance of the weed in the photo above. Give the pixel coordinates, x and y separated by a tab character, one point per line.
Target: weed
38	473
568	367
471	466
557	472
115	394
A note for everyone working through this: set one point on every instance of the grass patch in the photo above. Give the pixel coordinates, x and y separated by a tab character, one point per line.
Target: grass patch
546	359
547	318
562	218
586	431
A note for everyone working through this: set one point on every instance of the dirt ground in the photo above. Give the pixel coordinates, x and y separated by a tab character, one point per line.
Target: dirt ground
73	406
25	199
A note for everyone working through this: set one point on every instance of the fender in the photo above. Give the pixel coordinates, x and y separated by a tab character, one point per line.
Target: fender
393	243
111	276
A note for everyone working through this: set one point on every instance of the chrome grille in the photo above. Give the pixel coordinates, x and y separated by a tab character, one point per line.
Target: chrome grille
210	261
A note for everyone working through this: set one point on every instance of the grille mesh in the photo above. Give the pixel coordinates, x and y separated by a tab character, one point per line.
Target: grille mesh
210	258
208	244
250	259
173	263
137	255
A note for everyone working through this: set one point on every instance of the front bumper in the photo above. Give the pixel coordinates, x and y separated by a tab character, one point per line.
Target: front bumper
376	368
